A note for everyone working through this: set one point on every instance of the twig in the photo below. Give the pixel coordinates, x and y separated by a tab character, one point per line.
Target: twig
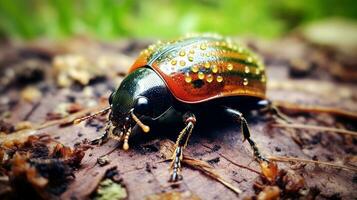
238	165
318	128
292	159
167	148
22	134
70	119
233	162
315	109
34	107
207	169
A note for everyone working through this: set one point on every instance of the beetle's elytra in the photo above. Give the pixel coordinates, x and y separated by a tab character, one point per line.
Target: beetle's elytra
198	69
189	77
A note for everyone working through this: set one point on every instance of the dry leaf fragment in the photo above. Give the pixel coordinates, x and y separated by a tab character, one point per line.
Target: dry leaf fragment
269	193
22	169
23	125
74	107
186	195
292	182
39	166
269	170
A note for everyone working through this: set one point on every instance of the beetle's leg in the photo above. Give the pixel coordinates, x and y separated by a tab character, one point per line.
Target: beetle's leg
268	106
116	134
246	133
181	144
104	137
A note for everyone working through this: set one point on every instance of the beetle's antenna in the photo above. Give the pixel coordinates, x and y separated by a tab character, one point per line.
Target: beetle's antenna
79	120
137	120
126	140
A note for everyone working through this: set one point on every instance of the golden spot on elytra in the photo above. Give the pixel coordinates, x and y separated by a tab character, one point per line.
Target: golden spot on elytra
245	81
188	78
209	78
190	58
246	69
146	51
207	65
191	51
263	79
203	46
219	79
182	53
214	68
250	59
173	62
201	75
182	63
229	66
194	68
261	67
257	71
152	47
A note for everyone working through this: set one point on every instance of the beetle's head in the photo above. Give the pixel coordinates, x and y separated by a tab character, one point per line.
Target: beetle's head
127	110
129	105
141	97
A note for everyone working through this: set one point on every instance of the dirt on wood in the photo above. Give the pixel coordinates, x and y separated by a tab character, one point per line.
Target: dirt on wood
46	85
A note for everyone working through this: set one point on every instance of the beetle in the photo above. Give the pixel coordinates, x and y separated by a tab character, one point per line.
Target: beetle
189	77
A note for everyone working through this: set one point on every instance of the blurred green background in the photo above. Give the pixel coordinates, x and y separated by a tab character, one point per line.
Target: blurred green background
112	19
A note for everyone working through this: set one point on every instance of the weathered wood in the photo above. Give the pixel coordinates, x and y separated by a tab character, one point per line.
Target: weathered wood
145	172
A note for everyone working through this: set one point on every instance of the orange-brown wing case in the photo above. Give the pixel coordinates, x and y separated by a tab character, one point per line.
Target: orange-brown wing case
201	68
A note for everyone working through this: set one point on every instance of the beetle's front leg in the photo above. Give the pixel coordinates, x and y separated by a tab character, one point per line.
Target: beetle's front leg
246	133
180	145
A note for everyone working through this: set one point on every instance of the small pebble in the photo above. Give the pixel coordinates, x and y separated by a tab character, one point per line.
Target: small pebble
103	160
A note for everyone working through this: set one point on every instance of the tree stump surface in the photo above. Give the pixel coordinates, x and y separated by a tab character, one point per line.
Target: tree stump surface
143	170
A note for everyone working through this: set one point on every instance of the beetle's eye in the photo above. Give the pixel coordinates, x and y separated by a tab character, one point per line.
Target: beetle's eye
111	98
141	105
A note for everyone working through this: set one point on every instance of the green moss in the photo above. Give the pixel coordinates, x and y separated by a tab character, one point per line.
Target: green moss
109	190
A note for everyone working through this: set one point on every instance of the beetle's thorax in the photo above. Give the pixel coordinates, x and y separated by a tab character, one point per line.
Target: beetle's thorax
145	84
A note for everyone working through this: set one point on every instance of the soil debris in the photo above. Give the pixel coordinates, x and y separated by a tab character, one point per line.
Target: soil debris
275	183
31	94
6	127
186	195
103	160
39	167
